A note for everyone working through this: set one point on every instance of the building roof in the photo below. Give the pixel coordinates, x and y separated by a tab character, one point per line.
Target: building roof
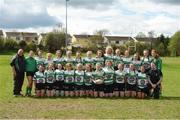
25	34
118	38
83	36
1	33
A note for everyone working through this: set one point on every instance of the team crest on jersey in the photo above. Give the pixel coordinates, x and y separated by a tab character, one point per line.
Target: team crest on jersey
50	78
79	79
60	78
132	80
108	76
70	79
41	80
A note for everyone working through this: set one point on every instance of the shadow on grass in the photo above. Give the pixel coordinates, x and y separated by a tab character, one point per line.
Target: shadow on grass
169	98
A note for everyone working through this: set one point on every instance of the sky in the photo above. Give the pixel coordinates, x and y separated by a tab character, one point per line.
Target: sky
119	17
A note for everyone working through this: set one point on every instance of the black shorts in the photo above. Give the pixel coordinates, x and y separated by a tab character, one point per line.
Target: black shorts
119	87
130	87
88	87
49	86
30	74
108	88
40	86
59	85
78	87
68	86
144	90
99	87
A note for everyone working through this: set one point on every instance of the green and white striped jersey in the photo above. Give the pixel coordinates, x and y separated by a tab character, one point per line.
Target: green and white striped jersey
40	61
142	80
131	77
59	75
117	60
58	61
108	76
47	62
39	77
98	75
88	61
109	58
137	64
127	61
79	77
99	60
77	61
69	76
69	60
50	76
119	76
146	61
88	78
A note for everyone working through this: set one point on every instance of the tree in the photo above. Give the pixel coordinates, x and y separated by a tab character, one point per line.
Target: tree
140	35
55	41
1	43
22	44
174	45
10	44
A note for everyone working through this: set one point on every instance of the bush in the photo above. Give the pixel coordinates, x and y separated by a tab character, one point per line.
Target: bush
22	44
31	46
1	43
10	44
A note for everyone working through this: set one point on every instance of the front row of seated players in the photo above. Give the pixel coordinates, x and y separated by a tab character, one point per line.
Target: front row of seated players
102	82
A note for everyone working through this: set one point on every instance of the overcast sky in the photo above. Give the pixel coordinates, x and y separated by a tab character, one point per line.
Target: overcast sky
120	17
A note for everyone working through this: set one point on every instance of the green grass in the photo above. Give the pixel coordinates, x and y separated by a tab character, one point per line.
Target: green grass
167	107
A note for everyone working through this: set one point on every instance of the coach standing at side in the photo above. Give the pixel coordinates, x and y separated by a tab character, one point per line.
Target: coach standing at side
18	69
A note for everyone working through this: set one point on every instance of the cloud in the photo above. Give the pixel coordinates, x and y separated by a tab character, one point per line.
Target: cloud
168	1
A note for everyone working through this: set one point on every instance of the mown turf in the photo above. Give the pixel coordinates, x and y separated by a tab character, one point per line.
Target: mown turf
167	107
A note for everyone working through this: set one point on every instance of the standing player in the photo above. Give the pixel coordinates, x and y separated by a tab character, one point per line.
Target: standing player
88	80
117	59
40	60
108	56
136	61
146	60
99	58
59	59
69	58
108	79
30	65
131	82
59	75
142	81
50	79
39	82
120	81
69	80
78	58
127	59
98	79
79	81
49	60
88	59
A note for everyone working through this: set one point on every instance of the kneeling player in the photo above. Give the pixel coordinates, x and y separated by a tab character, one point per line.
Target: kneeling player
50	78
79	80
59	75
98	79
131	82
142	80
69	80
119	81
39	79
88	80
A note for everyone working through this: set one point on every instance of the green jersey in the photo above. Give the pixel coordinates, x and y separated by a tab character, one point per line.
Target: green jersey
109	58
59	75
30	64
119	76
79	77
69	60
142	80
40	61
58	61
88	78
50	76
98	75
158	63
99	60
146	61
127	61
117	60
39	77
69	76
88	61
108	75
47	62
77	61
131	77
137	64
